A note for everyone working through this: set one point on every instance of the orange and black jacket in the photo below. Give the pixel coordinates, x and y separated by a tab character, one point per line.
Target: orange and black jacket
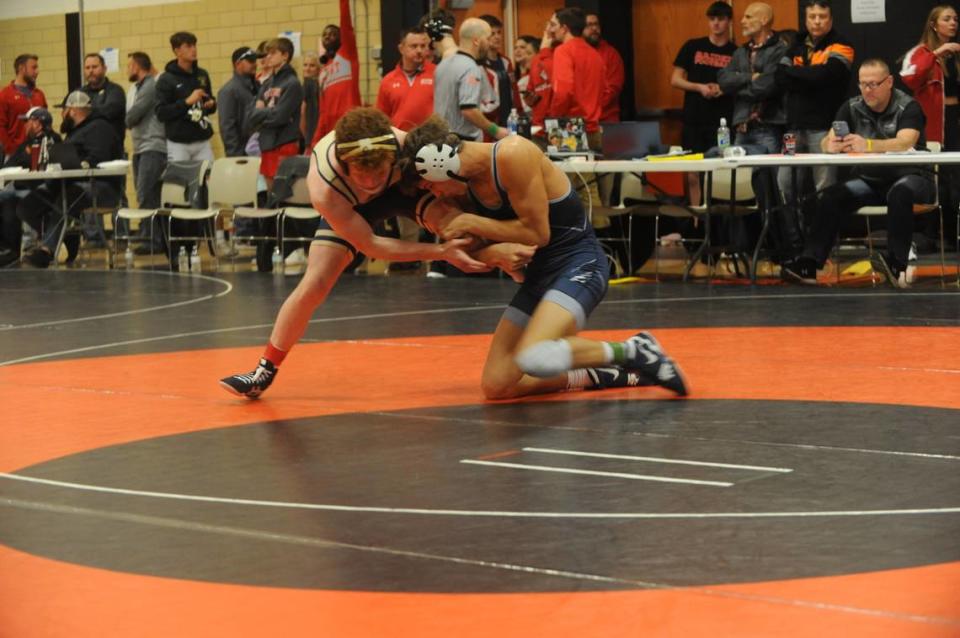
816	80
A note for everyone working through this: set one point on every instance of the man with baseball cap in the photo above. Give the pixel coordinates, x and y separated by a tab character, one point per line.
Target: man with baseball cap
37	123
235	99
95	142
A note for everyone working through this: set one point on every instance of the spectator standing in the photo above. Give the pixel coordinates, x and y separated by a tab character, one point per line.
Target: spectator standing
185	102
459	84
310	112
759	113
578	75
524	50
406	93
931	70
95	142
109	100
37	126
339	79
17	98
540	87
276	113
506	84
815	74
613	63
235	100
147	136
881	119
695	72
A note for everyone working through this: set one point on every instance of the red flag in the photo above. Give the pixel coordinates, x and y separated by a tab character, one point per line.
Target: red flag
340	79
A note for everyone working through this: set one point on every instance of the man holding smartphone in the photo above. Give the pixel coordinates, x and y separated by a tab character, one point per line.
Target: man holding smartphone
883	119
185	102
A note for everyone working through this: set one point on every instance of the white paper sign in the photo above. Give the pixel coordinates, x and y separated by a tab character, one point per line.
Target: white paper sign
112	57
293	36
868	10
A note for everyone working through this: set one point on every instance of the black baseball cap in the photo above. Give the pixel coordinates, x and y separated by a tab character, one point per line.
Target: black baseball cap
38	113
245	53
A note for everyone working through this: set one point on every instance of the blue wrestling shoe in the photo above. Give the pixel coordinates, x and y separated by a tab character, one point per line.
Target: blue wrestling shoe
652	363
252	384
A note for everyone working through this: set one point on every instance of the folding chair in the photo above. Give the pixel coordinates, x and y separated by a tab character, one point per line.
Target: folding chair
299	210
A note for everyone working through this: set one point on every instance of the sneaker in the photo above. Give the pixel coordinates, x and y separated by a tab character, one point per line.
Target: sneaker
912	260
252	384
296	258
8	257
802	270
38	258
652	363
72	244
895	275
614	377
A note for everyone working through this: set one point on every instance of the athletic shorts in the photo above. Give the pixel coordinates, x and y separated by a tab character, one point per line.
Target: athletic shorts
576	280
270	160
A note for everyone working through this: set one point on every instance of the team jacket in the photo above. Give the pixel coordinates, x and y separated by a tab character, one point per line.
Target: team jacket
13	104
279	122
923	74
407	103
184	124
816	80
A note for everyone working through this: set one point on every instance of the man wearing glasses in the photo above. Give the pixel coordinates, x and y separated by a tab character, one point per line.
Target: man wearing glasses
883	119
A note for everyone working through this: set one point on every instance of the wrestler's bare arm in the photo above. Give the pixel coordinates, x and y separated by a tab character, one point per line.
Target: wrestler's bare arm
353	228
519	164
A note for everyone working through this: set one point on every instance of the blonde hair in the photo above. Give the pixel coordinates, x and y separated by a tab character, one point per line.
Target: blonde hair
930	39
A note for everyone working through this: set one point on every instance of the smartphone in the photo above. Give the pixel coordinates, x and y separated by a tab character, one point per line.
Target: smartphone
841	129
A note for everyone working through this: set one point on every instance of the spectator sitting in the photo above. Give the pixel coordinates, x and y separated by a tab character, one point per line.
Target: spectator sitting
108	99
185	102
95	142
235	100
578	75
37	123
613	63
17	98
882	119
276	112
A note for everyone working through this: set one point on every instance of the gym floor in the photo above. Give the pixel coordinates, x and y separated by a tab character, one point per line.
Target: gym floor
809	484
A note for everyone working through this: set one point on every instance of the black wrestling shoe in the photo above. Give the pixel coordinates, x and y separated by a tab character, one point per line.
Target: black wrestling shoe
887	266
614	377
252	384
652	363
802	270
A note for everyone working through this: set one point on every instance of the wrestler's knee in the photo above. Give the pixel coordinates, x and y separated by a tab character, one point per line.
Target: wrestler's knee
546	358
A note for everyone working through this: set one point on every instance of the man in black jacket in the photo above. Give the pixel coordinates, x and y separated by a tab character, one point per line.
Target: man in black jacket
95	142
815	74
184	102
235	100
276	116
108	99
39	135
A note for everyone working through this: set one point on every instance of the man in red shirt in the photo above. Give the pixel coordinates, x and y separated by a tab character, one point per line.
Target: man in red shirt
406	93
578	75
614	64
16	99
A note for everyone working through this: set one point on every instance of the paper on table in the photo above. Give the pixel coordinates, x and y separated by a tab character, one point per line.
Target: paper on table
12	170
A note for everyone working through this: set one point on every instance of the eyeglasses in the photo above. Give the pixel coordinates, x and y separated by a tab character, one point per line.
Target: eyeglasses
869	86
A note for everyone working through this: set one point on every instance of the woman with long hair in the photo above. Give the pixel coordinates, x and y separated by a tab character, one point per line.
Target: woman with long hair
932	71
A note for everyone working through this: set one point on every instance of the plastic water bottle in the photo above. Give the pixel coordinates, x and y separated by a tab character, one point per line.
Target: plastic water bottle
723	135
276	262
513	122
195	263
128	258
182	264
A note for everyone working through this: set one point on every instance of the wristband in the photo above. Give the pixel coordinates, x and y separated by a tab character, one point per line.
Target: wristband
869	145
492	130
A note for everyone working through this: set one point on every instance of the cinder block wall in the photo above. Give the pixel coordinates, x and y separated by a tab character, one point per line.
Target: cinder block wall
220	26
